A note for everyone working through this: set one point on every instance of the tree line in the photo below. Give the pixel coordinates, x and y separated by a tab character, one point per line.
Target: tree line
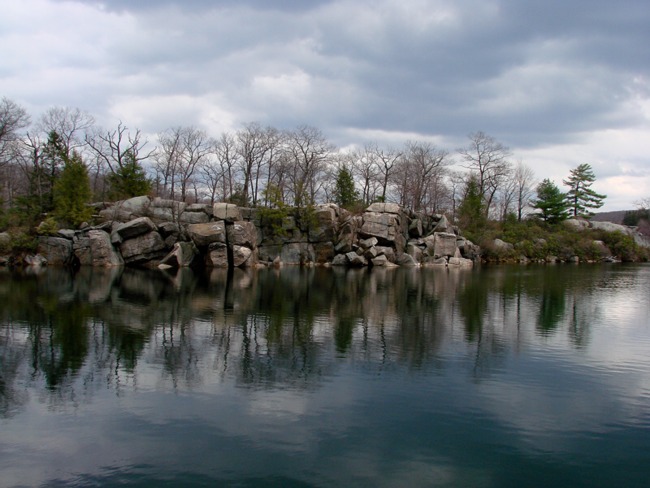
63	160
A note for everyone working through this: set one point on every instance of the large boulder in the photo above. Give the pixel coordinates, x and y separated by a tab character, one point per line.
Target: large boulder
242	233
181	256
96	249
443	244
104	254
226	211
392	208
217	255
126	210
134	228
144	248
242	256
194	217
383	226
205	234
610	227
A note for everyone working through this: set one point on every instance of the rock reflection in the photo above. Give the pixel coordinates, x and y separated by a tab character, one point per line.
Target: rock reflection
287	328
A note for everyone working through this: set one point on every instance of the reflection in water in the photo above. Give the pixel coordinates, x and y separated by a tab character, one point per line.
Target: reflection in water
273	326
300	342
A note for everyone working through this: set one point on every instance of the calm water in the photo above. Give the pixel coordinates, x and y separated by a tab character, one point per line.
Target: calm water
505	376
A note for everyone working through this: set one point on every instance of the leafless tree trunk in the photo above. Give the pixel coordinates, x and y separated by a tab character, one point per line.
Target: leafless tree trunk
71	125
487	159
308	151
114	147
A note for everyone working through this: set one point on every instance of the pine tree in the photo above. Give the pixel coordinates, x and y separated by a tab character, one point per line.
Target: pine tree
581	197
129	180
551	202
471	211
72	191
345	195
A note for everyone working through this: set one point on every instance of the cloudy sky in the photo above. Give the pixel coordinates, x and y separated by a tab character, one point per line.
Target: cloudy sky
561	82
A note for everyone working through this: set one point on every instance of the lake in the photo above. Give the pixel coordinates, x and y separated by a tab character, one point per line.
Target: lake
492	377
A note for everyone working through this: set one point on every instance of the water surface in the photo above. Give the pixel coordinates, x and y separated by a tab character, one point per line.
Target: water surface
503	376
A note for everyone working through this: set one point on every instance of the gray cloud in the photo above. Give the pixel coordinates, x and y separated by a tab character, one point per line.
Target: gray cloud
532	74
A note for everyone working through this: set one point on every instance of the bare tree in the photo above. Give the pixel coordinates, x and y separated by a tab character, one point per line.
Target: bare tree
117	147
226	155
524	177
196	147
486	157
421	170
13	118
167	159
70	124
366	167
308	152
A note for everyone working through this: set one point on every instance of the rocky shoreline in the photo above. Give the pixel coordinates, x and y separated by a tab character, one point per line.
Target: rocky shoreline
146	232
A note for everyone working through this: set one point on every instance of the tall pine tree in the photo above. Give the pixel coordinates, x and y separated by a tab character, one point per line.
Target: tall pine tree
72	191
345	194
580	197
551	202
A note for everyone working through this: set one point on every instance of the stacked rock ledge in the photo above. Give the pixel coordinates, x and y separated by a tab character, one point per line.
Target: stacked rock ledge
148	232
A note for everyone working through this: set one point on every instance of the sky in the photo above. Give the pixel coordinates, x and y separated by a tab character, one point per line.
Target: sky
560	82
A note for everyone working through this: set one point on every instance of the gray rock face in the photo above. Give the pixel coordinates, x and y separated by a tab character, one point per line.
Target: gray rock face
57	250
297	253
147	247
205	234
325	227
145	230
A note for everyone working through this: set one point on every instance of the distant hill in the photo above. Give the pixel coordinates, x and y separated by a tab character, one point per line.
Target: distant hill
615	217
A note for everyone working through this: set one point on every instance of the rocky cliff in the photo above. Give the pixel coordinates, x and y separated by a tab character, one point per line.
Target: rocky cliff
154	232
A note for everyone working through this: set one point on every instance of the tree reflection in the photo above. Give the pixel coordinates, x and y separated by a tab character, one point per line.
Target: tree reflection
269	328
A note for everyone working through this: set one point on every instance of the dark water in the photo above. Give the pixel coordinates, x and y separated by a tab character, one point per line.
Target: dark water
508	376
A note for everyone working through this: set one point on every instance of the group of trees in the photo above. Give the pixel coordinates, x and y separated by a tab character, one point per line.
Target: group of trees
555	206
64	160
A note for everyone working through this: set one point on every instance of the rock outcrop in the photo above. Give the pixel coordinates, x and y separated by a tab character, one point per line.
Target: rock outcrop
155	232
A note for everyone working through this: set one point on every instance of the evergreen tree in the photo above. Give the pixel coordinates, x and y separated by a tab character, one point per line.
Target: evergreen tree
345	195
581	197
471	211
129	180
551	202
72	191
